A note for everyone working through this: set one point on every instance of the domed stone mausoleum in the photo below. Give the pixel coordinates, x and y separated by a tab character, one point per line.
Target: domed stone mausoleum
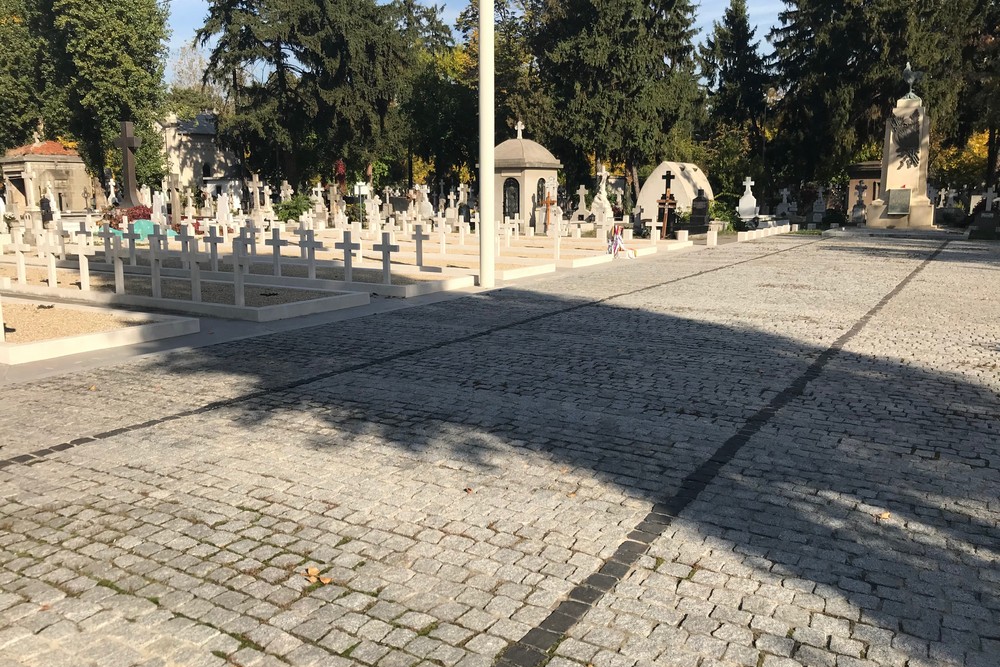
522	168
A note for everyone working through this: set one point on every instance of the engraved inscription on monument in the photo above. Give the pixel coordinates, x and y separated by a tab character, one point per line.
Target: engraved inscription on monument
899	202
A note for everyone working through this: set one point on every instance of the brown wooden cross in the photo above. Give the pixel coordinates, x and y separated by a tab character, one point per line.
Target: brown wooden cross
667	203
128	143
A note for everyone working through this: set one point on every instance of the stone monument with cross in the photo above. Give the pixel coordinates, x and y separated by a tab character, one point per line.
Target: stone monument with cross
747	208
903	201
128	143
522	167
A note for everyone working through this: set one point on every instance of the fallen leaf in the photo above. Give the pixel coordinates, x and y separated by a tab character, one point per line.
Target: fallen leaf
885	515
312	571
571	494
92	387
312	580
325	580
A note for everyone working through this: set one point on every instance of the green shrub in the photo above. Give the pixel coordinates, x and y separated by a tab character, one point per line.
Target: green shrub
293	208
834	218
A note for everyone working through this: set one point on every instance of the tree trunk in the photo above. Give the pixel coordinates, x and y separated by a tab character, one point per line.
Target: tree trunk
992	146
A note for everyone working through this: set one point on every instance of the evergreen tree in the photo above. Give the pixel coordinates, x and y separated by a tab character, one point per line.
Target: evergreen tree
621	74
737	74
840	64
313	80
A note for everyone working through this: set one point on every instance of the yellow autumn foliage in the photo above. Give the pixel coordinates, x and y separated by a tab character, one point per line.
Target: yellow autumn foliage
963	166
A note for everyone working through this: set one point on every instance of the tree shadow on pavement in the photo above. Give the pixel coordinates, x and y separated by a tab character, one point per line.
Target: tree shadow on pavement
877	483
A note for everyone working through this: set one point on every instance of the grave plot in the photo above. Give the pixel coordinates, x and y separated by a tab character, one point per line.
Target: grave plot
37	330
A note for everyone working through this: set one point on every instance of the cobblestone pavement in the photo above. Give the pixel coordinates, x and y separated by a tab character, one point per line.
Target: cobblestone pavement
770	454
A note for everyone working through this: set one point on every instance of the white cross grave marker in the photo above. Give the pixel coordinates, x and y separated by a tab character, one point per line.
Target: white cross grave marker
49	246
309	245
386	248
348	249
212	239
239	253
155	261
276	243
20	247
131	236
419	237
106	234
82	250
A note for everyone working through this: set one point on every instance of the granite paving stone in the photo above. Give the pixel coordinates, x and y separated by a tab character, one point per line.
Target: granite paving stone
774	453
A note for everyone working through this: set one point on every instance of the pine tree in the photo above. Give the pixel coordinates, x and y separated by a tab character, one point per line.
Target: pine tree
621	74
313	80
840	64
737	74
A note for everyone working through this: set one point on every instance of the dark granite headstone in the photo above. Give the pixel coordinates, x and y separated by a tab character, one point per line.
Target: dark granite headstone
699	214
984	227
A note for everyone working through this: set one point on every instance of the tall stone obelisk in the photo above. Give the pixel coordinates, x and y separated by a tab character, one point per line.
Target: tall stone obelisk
903	200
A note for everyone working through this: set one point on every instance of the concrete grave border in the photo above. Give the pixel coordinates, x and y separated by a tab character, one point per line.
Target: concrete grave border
157	328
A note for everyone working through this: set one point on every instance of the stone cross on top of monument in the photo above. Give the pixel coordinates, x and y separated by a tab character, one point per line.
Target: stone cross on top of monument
128	143
520	129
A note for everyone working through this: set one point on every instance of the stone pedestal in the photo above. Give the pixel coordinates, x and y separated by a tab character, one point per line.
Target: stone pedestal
905	159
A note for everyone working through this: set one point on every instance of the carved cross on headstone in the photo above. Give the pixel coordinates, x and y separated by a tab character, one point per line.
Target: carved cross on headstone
128	143
748	183
784	195
860	189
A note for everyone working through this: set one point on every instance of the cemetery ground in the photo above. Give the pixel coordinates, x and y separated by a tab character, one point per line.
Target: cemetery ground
775	453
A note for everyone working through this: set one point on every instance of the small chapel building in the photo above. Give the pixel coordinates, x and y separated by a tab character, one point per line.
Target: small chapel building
523	168
30	171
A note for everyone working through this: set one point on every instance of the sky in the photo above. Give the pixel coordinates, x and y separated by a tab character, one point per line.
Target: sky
186	16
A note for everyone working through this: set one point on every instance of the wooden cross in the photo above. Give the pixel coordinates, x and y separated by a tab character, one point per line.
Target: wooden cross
276	243
310	245
128	143
348	249
386	248
419	237
212	239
